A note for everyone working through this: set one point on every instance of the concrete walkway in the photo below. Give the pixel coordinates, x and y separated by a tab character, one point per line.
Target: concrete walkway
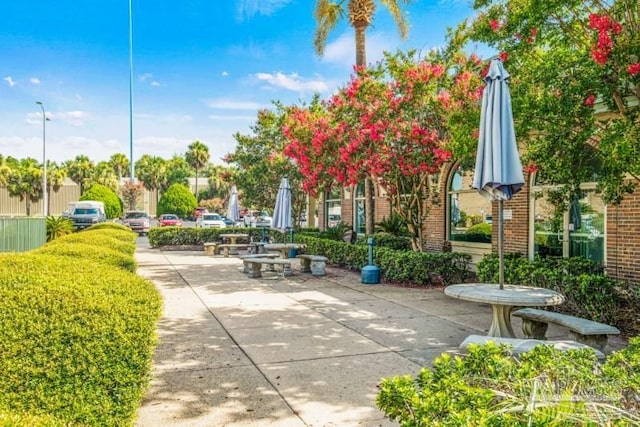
298	351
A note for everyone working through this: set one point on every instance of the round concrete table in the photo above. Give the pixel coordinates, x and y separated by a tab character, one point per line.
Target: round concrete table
283	248
502	300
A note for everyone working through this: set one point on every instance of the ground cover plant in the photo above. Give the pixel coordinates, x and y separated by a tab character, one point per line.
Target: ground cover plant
77	331
545	386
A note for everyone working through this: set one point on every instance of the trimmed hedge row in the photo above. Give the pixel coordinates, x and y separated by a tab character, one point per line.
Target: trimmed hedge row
588	292
77	335
398	266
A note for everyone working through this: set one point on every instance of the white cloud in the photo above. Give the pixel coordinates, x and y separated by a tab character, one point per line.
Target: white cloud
73	118
10	81
224	74
342	51
155	84
145	77
250	8
239	117
34	81
229	104
292	82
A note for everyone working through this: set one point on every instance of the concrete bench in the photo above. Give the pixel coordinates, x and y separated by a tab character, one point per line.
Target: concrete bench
314	264
519	346
254	266
226	247
535	323
253	256
210	248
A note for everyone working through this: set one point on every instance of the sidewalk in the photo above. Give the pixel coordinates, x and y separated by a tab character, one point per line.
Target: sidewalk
300	351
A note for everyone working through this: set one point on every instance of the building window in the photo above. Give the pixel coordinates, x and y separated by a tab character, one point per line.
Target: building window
359	221
333	208
577	231
469	214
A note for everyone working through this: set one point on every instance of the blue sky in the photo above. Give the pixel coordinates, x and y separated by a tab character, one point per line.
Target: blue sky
202	69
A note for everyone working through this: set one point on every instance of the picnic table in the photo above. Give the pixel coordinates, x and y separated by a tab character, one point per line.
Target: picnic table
502	300
283	248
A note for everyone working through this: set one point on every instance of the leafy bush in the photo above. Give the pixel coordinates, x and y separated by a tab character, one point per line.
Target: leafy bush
588	292
176	236
489	387
179	200
393	225
78	334
58	227
101	193
390	241
336	232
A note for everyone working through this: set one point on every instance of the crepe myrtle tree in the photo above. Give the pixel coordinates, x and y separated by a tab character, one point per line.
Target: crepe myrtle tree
258	163
391	122
575	80
360	15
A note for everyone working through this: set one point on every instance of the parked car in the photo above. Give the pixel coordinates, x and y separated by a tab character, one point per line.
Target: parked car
209	220
197	212
137	221
257	219
228	222
87	213
169	220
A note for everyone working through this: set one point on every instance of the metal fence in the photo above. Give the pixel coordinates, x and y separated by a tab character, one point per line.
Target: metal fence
20	234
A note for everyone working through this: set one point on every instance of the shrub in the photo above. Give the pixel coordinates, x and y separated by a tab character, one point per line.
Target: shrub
390	241
78	334
101	193
58	227
179	200
489	387
393	225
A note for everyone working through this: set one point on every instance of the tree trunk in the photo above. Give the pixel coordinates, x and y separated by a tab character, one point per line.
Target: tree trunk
369	205
196	184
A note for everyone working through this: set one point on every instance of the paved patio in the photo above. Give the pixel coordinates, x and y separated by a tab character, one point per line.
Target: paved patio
294	351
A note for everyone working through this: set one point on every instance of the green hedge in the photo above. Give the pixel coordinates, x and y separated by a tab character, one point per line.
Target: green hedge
77	335
588	292
543	387
396	266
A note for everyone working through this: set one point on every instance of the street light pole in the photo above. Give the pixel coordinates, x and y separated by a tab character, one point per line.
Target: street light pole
44	161
131	166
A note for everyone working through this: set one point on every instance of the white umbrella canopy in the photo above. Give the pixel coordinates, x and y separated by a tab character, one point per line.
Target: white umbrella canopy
233	207
498	173
282	212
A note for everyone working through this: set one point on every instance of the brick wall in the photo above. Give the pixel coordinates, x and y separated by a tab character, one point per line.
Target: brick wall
623	239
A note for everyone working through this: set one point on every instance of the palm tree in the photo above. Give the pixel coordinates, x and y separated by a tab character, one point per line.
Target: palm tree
25	182
55	180
79	170
197	156
152	172
103	173
120	164
360	13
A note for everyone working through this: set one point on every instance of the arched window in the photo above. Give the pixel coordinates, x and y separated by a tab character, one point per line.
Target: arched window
577	231
359	221
469	214
333	207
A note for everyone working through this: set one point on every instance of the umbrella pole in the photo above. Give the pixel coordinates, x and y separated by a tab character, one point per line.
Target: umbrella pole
500	243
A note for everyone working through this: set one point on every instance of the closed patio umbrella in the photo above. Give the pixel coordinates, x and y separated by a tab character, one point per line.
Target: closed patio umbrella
282	212
233	208
498	173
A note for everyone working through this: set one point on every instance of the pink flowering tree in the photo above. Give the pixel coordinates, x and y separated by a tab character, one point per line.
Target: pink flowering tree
390	122
575	68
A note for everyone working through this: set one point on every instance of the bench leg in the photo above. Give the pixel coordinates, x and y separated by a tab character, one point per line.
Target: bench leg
533	329
595	341
225	252
317	268
286	270
255	270
305	265
210	250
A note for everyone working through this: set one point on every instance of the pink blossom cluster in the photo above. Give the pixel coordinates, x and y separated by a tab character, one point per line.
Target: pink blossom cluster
606	28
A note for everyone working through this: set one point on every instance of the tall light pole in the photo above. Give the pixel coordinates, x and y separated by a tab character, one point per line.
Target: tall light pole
44	161
131	167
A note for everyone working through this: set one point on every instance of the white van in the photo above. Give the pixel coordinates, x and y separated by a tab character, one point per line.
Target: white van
87	213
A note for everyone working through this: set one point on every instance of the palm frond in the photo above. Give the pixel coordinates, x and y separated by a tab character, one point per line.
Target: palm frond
327	15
